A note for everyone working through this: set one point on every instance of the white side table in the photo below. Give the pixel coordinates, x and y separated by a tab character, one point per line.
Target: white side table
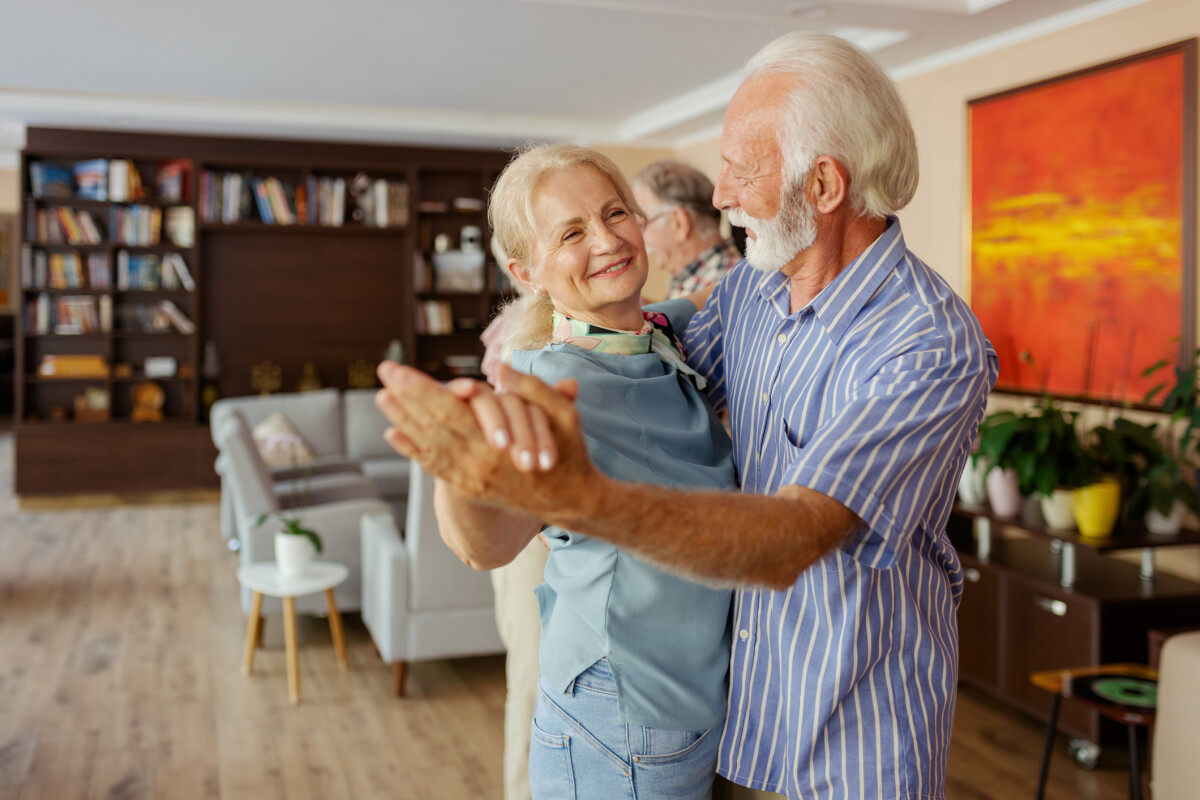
264	578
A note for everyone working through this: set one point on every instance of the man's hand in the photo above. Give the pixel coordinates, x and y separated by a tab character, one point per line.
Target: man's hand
437	427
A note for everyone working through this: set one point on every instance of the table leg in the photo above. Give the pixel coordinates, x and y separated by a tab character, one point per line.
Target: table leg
1048	748
289	638
1135	776
335	629
252	633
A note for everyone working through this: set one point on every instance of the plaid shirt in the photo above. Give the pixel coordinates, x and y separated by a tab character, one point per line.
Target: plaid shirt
707	269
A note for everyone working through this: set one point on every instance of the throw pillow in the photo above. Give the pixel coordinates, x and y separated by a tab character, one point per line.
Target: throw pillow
280	444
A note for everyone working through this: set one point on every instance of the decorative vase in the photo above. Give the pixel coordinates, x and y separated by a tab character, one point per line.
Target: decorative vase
1058	510
1096	507
971	490
1004	492
293	554
1169	524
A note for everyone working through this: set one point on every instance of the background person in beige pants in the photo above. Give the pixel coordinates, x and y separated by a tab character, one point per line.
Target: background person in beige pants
519	623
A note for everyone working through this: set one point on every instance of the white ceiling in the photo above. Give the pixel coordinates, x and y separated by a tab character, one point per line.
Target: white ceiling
456	72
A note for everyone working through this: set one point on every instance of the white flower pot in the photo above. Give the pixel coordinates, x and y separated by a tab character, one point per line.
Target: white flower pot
971	491
1169	524
293	554
1004	492
1058	510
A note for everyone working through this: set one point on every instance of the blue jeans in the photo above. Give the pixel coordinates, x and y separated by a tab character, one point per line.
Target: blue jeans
580	749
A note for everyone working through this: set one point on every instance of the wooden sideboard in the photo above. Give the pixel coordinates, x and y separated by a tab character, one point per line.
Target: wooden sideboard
1043	599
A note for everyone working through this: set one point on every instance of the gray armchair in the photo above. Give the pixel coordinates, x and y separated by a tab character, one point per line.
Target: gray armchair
419	602
316	414
333	510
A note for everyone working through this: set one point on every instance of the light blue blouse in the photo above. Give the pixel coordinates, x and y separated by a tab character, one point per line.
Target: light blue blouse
666	638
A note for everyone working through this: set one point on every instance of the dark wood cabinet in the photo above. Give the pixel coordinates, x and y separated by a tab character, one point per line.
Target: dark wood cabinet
1017	618
304	295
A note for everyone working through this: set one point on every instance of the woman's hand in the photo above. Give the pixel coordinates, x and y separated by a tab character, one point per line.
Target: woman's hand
511	423
437	427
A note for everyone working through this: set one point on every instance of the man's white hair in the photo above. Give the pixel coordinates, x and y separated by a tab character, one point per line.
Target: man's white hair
845	106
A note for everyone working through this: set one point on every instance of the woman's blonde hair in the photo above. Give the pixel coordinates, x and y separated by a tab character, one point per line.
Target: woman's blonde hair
529	318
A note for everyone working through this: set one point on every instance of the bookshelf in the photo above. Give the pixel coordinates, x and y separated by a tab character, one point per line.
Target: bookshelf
295	253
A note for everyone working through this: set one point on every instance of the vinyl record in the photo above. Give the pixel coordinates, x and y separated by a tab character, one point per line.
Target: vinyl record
1134	694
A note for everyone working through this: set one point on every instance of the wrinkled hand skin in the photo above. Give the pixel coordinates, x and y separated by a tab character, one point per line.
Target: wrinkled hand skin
436	428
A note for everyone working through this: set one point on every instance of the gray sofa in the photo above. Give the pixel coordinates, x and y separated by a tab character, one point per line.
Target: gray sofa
344	431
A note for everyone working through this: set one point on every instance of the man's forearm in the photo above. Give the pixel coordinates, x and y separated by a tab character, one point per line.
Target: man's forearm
710	535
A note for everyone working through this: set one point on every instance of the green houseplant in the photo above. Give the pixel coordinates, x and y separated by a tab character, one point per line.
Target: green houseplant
1158	492
1000	451
1052	463
295	545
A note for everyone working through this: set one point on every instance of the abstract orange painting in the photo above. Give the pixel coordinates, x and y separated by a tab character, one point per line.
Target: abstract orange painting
1082	212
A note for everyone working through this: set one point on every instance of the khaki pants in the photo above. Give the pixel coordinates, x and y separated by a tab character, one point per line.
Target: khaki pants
724	790
520	627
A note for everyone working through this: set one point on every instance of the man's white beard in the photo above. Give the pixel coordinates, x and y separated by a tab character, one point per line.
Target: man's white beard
779	240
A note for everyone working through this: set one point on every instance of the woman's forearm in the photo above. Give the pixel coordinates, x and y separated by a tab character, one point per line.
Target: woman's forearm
483	536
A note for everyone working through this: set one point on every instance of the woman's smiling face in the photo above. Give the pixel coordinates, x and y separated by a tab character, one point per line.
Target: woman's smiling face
589	247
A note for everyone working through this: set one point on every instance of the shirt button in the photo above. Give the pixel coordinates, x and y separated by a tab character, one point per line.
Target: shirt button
781	338
766	398
745	634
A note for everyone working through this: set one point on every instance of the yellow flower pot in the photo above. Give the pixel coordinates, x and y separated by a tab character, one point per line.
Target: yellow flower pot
1096	508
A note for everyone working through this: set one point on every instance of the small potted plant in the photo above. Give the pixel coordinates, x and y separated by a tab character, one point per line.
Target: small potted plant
295	545
1000	450
1158	491
1098	502
1053	463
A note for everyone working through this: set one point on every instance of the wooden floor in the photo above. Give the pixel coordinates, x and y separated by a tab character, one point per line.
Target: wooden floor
120	653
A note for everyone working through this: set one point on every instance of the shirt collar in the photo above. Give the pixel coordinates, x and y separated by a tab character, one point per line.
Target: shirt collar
837	305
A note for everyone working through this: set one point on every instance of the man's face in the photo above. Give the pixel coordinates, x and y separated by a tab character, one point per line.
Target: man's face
779	220
660	230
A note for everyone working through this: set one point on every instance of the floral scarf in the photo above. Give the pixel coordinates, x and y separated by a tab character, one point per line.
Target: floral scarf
655	335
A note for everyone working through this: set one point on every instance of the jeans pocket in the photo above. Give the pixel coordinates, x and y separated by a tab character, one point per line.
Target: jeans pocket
683	774
550	773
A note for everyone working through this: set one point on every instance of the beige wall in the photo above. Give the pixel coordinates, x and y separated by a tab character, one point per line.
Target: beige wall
10	194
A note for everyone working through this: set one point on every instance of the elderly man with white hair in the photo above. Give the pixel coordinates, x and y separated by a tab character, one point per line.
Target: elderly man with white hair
854	377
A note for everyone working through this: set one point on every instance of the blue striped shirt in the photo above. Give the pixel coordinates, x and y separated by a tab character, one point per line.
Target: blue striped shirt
843	685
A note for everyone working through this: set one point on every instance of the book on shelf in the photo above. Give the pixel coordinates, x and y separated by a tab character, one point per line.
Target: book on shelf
124	181
66	271
263	201
91	179
92	233
171	179
434	317
136	225
177	317
179	224
106	312
181	275
99	276
50	181
73	365
76	314
277	195
142	272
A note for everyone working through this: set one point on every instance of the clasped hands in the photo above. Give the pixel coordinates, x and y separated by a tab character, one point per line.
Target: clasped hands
520	447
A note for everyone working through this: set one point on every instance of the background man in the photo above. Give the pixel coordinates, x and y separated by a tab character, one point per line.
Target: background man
683	229
855	379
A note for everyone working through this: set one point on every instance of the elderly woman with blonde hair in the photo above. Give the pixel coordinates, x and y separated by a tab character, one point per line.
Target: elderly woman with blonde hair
633	661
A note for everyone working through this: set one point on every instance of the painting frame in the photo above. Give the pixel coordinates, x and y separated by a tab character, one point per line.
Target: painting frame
1022	196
